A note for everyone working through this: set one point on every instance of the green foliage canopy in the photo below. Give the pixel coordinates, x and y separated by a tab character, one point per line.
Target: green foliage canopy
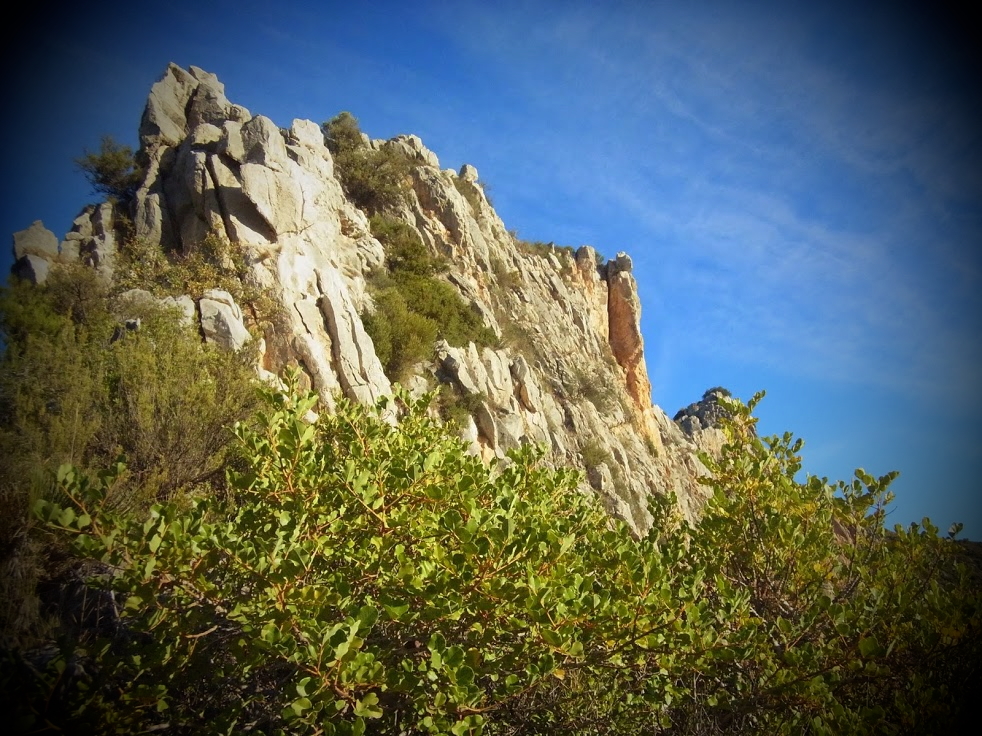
77	387
375	578
112	171
375	180
412	307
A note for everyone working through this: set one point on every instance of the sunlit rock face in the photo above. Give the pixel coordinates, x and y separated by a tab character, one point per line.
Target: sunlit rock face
569	373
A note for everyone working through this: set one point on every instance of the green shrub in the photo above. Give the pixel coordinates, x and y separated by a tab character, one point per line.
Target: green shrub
77	389
374	577
375	181
413	308
457	407
519	338
212	263
74	388
593	454
595	389
867	630
405	253
543	250
503	276
402	336
342	133
112	171
457	322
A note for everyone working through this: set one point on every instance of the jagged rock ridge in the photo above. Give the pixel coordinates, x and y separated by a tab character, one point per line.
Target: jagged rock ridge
571	376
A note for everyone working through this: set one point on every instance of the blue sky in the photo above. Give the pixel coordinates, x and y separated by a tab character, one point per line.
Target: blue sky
798	184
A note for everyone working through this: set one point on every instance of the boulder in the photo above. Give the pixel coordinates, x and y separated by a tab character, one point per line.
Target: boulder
31	268
93	238
36	240
262	143
184	304
164	120
221	320
527	390
412	147
355	362
453	364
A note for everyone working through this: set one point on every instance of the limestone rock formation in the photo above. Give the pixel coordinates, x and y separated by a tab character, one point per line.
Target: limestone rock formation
569	373
707	413
221	320
701	420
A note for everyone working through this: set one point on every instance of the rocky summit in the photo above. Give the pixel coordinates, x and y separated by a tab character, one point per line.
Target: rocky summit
567	370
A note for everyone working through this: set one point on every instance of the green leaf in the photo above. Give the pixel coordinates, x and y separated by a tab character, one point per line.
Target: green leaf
66	473
66	516
396	610
431	461
869	647
299	705
551	637
437	642
366	707
454	657
367	616
465	676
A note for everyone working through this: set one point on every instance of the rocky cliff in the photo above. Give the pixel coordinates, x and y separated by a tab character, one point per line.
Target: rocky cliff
568	372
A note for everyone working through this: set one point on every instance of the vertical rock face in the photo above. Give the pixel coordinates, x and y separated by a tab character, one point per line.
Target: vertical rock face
570	372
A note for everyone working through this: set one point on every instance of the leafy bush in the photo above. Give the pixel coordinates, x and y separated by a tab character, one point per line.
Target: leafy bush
71	393
112	171
457	407
405	253
503	276
595	389
519	338
412	308
402	336
457	322
342	133
366	576
852	628
212	263
543	250
593	454
77	390
373	180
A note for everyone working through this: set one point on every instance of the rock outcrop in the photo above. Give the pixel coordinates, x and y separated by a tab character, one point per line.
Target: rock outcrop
569	373
701	420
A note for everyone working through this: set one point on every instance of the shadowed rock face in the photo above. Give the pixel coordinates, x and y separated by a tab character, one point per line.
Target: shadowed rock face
707	413
570	373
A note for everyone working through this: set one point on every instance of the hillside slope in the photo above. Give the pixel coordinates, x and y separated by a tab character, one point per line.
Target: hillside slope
567	369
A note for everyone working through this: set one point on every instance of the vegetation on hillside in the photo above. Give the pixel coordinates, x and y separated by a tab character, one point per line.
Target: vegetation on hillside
374	179
412	307
366	578
182	551
113	171
78	387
